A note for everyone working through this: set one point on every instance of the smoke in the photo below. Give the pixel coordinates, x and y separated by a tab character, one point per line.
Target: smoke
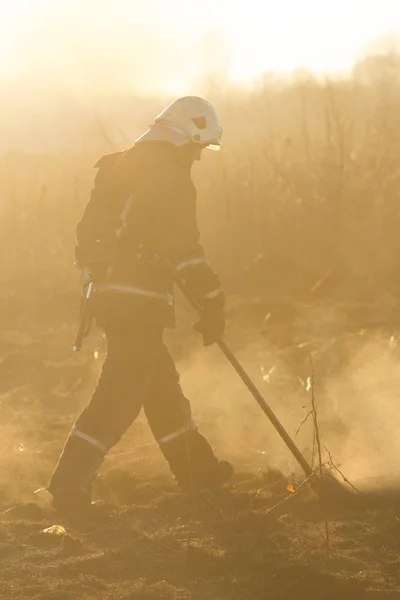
356	390
95	48
356	383
366	397
229	415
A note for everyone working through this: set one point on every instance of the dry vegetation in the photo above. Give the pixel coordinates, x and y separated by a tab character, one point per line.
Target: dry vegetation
300	215
308	181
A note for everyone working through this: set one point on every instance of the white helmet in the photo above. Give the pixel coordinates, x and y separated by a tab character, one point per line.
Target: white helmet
188	119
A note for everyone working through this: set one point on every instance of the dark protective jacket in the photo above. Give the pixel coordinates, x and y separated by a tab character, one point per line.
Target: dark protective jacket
143	209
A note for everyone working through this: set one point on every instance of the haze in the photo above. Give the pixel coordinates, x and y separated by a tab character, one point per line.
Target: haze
166	47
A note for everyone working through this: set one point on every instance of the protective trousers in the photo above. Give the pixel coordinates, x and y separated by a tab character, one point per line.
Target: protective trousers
138	372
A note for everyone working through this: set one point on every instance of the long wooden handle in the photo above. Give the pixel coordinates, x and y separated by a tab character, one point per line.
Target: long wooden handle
255	392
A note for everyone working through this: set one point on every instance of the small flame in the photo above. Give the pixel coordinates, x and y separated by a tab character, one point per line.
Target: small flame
290	488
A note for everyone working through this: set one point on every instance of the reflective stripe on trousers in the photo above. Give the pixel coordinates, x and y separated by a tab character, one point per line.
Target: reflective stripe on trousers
190	426
88	438
211	295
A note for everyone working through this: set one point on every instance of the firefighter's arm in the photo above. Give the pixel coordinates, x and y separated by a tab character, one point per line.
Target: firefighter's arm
193	267
205	286
181	245
183	248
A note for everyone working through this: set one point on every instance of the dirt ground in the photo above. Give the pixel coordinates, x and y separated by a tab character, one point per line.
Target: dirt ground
145	541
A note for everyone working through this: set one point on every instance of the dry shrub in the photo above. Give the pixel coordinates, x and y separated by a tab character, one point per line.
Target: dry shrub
307	185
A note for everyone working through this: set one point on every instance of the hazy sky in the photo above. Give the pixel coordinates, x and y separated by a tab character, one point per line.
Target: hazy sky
160	45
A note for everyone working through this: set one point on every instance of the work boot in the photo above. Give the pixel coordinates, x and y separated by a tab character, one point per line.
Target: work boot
72	481
226	471
194	464
217	501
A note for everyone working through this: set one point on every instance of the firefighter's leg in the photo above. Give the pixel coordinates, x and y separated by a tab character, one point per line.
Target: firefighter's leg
126	375
190	456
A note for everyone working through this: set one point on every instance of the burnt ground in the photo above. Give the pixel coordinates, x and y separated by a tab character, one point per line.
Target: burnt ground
145	540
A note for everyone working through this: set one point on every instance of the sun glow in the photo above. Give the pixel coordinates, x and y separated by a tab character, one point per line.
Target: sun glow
163	47
319	36
10	16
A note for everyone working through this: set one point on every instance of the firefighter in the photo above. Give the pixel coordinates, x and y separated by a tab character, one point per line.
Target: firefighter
142	214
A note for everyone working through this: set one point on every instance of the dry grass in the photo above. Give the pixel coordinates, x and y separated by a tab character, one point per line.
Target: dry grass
146	544
306	188
300	216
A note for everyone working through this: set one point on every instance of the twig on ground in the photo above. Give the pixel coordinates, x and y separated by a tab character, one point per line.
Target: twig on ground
321	281
304	421
301	487
9	510
320	463
366	498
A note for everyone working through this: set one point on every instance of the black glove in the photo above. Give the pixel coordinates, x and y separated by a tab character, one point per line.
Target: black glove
211	324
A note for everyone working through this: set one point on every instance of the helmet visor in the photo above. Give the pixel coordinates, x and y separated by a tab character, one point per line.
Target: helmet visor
214	146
